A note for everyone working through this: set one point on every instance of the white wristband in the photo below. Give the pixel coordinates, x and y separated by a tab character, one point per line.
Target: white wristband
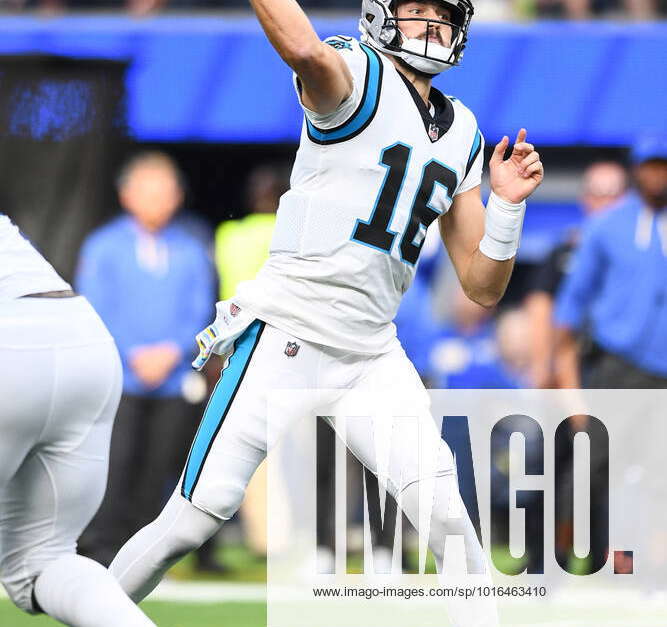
502	228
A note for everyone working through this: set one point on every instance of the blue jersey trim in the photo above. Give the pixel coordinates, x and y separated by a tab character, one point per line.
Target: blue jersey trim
366	110
219	404
474	151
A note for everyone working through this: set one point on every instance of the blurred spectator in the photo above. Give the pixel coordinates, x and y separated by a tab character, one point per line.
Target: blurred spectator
604	183
242	246
514	345
152	283
619	283
465	352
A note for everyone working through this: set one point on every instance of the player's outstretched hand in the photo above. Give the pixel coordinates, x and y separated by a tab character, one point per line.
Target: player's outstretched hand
516	178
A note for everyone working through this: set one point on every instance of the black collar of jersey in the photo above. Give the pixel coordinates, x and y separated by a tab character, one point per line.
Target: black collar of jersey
435	125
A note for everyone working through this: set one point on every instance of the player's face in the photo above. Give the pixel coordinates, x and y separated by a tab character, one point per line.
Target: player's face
152	195
651	177
428	10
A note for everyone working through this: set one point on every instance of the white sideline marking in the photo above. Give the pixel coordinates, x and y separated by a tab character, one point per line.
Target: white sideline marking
207	592
201	592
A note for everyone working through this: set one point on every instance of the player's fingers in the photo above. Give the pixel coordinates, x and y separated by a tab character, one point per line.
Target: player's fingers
521	136
499	150
530	159
532	169
522	149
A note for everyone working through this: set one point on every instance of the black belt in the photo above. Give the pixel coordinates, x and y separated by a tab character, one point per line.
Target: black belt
57	294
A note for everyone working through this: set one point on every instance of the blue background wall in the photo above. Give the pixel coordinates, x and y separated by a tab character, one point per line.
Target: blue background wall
217	79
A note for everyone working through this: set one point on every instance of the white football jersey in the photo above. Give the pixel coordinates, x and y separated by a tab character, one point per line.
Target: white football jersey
368	180
23	270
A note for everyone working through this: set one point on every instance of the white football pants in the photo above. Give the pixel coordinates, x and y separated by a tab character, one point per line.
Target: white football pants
60	383
232	441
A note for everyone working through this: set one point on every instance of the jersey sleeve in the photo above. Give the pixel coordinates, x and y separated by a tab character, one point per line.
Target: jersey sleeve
358	63
473	173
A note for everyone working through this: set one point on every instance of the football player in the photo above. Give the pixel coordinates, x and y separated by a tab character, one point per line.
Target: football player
383	154
60	382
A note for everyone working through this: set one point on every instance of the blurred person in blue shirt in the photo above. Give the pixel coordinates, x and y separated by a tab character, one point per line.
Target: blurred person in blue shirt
603	185
466	354
153	284
618	284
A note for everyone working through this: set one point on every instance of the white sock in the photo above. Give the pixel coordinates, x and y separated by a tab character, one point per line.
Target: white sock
82	593
152	551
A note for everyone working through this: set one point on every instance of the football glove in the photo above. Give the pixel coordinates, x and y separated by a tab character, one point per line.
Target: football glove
219	336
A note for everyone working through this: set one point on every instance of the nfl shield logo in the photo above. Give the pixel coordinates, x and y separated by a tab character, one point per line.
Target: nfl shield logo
291	349
234	310
434	132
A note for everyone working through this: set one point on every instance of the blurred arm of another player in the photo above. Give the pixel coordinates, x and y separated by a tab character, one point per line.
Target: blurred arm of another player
325	79
482	241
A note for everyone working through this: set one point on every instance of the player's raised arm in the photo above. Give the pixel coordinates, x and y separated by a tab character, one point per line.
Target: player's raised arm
325	78
482	242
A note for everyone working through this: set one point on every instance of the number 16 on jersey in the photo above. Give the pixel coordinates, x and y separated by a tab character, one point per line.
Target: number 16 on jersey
375	232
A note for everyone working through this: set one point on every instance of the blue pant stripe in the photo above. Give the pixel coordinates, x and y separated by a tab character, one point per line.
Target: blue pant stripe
219	404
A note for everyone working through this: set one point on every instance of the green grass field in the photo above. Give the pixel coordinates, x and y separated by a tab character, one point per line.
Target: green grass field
242	566
164	615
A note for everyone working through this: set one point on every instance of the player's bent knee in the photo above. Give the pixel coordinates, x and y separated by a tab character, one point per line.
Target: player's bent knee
225	502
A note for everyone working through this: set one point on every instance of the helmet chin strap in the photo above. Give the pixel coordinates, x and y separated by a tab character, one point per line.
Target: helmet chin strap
413	49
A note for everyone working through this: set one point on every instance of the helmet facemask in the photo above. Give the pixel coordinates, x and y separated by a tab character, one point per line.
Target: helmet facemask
382	29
